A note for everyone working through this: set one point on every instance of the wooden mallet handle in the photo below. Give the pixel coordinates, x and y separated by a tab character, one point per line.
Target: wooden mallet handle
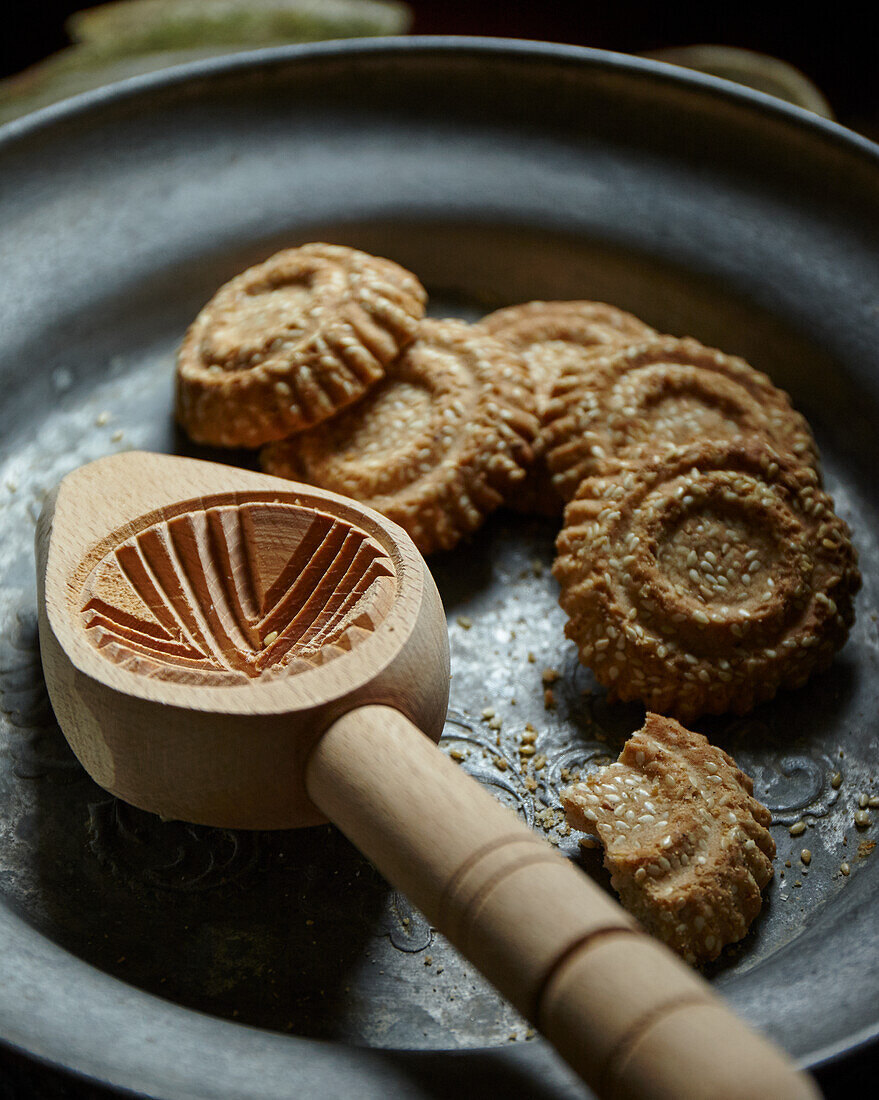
627	1015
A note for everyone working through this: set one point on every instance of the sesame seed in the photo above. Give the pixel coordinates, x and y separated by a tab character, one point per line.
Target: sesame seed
845	869
836	780
270	638
797	829
863	819
806	856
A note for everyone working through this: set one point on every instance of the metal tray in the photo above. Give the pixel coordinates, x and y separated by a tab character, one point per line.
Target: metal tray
189	962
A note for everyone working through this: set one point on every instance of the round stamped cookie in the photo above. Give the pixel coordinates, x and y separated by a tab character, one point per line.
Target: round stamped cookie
291	341
435	446
635	401
553	337
706	579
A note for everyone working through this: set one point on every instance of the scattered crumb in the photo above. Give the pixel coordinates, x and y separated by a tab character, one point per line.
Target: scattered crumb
428	960
464	622
865	848
495	723
531	658
500	763
550	675
549	699
457	754
537	568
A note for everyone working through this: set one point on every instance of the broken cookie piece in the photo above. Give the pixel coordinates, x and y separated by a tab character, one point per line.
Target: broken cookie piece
685	842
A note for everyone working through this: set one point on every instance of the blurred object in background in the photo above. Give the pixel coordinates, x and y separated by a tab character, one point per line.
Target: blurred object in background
118	40
754	70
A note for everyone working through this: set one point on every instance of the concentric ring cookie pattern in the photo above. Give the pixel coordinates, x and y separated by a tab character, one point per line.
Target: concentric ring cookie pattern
289	342
705	579
436	446
632	402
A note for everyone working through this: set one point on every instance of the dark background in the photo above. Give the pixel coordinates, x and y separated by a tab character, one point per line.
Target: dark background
831	44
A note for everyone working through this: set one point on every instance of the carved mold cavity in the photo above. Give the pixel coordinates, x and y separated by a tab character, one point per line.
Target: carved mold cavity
225	594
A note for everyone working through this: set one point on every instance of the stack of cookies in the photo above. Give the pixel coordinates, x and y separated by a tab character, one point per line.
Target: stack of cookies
322	357
702	566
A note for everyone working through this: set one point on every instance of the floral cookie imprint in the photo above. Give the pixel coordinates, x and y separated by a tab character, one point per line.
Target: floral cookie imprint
706	579
435	446
291	341
685	841
637	400
553	337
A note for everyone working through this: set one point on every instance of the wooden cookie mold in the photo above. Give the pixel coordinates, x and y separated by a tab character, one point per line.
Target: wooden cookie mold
223	593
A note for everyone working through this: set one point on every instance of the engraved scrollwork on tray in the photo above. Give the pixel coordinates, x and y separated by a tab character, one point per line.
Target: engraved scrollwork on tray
404	926
37	746
791	782
488	763
169	855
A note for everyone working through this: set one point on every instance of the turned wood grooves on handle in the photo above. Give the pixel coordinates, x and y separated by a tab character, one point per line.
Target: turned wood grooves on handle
628	1016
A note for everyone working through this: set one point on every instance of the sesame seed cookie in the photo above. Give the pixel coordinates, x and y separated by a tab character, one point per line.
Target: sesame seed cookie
552	337
436	445
685	841
707	578
291	341
634	401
